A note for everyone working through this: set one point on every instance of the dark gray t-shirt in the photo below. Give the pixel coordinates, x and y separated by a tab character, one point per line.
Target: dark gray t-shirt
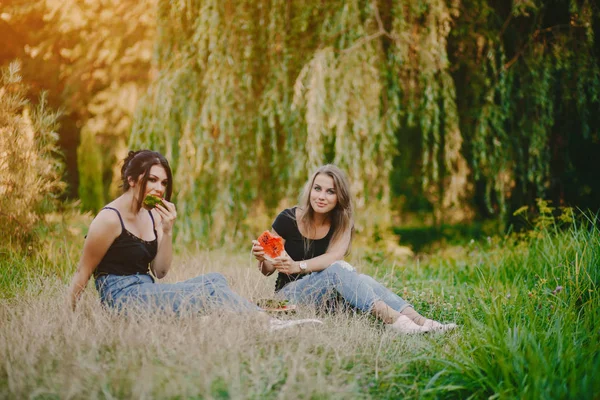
287	227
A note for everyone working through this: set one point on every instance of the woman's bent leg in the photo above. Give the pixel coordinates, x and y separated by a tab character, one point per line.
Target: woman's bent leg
341	278
384	294
204	295
360	291
222	296
309	290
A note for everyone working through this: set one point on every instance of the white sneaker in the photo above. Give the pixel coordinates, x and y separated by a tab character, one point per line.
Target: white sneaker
278	324
435	326
406	326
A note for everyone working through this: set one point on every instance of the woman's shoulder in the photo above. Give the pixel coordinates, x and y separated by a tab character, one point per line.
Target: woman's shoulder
285	222
289	212
108	220
287	216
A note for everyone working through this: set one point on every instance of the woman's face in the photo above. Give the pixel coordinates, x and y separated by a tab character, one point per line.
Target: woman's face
157	181
323	197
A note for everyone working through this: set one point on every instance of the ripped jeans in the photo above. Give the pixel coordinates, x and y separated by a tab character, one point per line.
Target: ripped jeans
340	280
202	294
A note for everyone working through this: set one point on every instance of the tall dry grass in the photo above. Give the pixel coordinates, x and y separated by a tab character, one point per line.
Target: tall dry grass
47	351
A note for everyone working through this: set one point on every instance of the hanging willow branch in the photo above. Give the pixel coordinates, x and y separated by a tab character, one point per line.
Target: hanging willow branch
252	95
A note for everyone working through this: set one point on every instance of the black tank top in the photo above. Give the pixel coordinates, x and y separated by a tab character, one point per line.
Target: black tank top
287	227
128	254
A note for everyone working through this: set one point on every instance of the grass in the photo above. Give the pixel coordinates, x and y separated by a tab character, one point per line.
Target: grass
528	307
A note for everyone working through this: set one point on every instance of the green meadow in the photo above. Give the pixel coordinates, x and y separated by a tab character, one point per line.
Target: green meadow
450	118
527	305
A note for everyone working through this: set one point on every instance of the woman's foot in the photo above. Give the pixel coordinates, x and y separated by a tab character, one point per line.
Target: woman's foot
278	324
435	326
406	326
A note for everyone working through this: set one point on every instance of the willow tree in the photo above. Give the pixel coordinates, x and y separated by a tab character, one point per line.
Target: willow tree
252	95
420	77
529	75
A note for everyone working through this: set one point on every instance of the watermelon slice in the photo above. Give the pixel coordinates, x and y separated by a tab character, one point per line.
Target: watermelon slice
278	306
150	201
273	245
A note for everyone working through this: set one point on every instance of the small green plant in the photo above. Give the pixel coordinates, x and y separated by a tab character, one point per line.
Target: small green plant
545	217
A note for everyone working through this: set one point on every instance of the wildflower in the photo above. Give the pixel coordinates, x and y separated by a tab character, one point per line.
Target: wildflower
557	290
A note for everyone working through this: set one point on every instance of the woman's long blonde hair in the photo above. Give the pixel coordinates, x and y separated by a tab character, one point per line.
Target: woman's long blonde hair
341	217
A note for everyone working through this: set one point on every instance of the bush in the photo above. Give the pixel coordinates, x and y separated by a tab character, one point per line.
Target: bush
30	162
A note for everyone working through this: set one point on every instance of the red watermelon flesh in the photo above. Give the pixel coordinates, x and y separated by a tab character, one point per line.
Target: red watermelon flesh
273	245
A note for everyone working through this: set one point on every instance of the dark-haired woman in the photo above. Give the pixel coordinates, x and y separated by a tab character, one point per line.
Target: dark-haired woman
317	235
126	241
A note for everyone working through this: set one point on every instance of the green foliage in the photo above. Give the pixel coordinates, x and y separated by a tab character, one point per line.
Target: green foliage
53	255
529	308
94	59
462	108
529	76
89	160
251	96
255	99
30	163
420	71
424	239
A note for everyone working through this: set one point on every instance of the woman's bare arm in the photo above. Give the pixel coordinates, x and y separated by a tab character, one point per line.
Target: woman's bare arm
335	252
164	256
104	229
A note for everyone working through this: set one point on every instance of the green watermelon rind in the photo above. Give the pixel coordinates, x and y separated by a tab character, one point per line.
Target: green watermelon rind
150	201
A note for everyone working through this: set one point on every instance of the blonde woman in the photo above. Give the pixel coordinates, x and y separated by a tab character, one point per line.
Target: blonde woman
317	235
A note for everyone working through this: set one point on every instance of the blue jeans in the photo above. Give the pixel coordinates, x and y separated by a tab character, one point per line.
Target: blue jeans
340	280
205	293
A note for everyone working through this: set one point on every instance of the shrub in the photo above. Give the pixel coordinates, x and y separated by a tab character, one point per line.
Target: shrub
30	162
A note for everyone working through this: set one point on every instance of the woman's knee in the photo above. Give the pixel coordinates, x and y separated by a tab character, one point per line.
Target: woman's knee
340	268
338	272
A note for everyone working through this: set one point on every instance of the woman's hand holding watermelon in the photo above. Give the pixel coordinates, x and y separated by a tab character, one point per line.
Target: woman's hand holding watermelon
168	213
285	264
267	249
257	251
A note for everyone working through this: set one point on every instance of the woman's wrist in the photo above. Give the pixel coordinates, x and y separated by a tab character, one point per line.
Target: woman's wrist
302	266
